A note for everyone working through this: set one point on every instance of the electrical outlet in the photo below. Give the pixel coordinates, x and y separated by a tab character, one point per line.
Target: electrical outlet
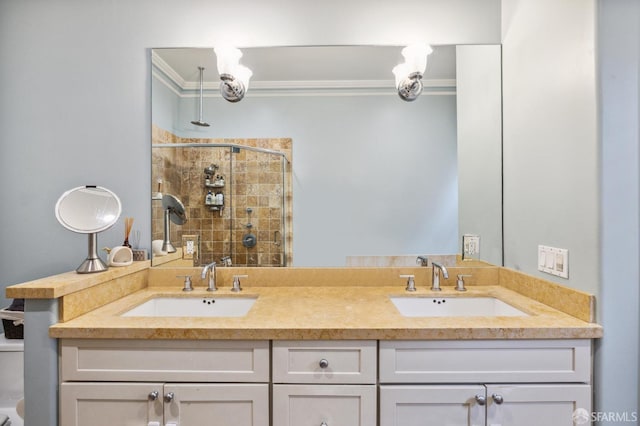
470	247
554	261
190	247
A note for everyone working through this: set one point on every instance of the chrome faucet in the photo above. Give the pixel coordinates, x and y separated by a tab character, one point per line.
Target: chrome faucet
211	269
435	275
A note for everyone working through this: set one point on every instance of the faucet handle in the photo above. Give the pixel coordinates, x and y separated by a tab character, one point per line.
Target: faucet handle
460	282
411	283
188	286
422	261
236	282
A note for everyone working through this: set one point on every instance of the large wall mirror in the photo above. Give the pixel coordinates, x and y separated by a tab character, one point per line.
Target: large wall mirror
322	162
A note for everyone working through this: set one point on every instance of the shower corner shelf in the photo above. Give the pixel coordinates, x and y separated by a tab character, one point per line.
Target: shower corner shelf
216	208
214	185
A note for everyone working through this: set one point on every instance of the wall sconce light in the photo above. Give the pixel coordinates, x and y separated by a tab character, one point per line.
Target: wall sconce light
409	73
235	77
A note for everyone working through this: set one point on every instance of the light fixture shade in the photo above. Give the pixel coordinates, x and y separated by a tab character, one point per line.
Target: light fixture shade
243	74
234	77
227	59
409	73
415	56
400	71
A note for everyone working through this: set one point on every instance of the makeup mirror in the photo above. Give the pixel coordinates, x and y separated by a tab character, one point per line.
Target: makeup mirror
173	212
88	210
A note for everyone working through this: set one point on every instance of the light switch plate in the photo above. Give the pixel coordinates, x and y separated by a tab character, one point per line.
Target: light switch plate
554	261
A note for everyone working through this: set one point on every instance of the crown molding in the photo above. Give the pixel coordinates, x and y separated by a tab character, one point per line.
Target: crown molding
167	70
169	77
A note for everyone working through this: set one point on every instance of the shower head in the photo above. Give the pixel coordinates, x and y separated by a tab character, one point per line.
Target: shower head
199	121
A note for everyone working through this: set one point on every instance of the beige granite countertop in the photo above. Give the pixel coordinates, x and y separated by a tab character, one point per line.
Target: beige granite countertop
312	303
327	312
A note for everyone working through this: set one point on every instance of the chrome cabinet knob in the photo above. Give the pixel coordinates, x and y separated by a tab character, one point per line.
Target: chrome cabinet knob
481	400
323	364
153	395
324	424
497	398
168	397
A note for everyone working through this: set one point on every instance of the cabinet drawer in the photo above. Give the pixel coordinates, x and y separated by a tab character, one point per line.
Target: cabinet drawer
315	405
147	360
326	361
485	361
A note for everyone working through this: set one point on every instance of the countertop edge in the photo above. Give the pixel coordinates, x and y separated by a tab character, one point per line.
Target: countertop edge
556	333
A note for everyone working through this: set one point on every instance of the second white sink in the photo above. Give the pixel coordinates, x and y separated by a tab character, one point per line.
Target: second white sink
193	307
454	307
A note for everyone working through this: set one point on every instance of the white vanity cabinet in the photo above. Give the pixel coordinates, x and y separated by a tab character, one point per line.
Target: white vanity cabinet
479	405
324	383
517	383
164	383
160	404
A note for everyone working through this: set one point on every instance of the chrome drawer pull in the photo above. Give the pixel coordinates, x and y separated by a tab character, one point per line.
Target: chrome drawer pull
324	364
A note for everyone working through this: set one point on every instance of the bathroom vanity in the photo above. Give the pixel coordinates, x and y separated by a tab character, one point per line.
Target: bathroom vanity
321	347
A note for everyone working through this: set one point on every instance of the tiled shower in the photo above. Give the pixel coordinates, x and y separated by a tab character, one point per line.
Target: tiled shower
253	176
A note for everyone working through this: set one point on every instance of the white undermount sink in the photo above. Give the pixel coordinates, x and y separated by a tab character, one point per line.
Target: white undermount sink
193	307
454	307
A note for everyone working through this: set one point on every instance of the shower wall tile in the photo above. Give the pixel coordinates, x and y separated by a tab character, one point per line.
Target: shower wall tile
256	182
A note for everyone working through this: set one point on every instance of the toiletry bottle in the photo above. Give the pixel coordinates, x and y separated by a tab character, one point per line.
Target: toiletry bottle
209	198
219	198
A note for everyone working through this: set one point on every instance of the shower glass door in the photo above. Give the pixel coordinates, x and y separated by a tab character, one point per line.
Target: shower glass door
234	197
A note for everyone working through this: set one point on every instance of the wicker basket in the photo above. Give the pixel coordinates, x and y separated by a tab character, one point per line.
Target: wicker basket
9	318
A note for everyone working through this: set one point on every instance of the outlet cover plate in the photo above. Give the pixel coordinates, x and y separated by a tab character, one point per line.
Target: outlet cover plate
554	261
470	247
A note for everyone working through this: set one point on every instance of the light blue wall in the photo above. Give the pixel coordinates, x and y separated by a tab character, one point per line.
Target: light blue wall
372	174
75	84
616	369
550	137
165	105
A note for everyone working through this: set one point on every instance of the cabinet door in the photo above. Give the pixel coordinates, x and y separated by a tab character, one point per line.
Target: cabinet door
535	405
324	405
197	404
446	405
108	404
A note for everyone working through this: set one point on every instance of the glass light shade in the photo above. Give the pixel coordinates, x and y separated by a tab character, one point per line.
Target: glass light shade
227	59
243	74
400	71
415	56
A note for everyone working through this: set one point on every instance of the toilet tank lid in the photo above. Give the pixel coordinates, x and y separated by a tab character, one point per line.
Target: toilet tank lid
11	345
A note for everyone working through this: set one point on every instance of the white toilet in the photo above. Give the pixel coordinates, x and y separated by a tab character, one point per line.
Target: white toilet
11	378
